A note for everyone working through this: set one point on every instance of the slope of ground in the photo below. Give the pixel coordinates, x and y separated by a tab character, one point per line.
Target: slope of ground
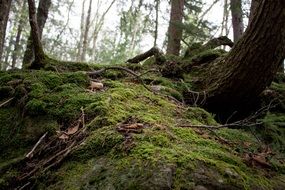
126	136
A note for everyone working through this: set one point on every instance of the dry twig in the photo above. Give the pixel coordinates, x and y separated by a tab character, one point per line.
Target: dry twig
6	102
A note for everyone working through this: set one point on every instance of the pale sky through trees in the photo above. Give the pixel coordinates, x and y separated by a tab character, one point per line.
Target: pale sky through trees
112	19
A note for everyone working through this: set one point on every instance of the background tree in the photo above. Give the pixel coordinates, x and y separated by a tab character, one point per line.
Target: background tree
237	19
174	32
35	35
42	15
4	15
86	33
20	27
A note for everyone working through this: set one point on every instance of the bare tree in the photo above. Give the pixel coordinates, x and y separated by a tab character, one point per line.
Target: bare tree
98	24
225	19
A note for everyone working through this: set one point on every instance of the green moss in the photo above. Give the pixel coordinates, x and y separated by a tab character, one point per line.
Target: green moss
162	156
36	107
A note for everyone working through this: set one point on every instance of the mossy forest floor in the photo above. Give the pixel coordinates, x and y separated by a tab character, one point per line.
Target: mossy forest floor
134	138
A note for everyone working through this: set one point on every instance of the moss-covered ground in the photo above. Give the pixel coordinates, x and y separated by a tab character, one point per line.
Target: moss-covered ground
162	155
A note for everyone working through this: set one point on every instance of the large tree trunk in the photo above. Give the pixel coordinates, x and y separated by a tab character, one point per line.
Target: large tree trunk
5	6
42	15
174	30
239	78
237	21
35	33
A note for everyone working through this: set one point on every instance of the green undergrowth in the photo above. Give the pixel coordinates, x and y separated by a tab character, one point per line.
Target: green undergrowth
163	155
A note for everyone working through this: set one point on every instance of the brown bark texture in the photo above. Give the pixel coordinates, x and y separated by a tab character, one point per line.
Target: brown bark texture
174	30
41	18
237	20
253	7
251	65
35	33
5	6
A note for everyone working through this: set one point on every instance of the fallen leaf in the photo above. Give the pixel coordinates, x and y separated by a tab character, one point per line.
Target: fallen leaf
63	136
96	85
72	130
261	160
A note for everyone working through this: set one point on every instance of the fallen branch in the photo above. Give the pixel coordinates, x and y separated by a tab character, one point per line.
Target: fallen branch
30	154
99	72
6	102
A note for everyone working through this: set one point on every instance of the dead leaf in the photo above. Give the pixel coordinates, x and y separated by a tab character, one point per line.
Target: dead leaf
247	144
63	136
261	160
72	130
96	85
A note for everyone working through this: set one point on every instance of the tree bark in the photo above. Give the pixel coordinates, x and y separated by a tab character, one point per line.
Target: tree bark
237	20
18	35
174	30
156	22
5	6
86	32
253	7
41	18
35	34
237	80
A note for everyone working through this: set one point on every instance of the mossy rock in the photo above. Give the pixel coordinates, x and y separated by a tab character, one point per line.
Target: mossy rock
163	155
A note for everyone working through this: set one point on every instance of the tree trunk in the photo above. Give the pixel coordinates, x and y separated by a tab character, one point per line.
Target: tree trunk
174	30
41	17
79	46
253	7
86	32
238	79
98	26
5	6
156	22
18	35
8	50
237	21
35	34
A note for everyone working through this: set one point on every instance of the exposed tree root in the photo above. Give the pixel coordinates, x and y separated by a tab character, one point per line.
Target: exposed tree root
250	121
95	73
159	58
